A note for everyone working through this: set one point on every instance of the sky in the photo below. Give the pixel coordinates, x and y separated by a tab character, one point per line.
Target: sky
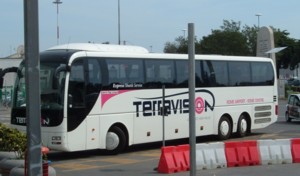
146	23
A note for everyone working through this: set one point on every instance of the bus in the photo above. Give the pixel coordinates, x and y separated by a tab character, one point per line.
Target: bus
97	96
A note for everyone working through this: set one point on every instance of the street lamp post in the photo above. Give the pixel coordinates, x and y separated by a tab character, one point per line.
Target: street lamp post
184	30
57	2
119	25
258	15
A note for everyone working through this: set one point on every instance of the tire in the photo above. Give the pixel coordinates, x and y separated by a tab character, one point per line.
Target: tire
224	128
287	117
116	141
243	126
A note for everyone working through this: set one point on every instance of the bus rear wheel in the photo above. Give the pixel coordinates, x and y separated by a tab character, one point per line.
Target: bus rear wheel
225	128
242	126
115	140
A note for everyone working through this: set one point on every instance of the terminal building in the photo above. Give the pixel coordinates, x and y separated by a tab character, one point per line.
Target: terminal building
13	60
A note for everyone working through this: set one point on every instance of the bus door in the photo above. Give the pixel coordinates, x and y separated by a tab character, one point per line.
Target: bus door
85	84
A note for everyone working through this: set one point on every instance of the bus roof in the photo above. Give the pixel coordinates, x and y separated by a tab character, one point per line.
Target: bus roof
126	51
101	48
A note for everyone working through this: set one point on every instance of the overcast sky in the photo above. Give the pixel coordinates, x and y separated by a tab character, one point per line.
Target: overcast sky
147	23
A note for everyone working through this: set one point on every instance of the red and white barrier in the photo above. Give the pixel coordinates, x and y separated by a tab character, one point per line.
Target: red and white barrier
210	156
174	159
230	154
295	145
243	153
275	151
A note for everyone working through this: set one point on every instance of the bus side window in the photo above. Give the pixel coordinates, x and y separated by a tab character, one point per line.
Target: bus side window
239	73
182	77
221	73
76	85
208	74
125	72
160	72
262	73
93	83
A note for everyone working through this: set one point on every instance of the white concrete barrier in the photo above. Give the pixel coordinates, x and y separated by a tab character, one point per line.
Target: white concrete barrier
275	151
8	164
20	171
210	156
8	155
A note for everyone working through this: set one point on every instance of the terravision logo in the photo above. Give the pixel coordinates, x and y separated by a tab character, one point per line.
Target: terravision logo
147	107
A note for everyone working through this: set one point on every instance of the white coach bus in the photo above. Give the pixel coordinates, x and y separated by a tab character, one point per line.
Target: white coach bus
97	96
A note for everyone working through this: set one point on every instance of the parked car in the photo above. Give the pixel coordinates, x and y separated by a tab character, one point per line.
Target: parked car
290	81
293	107
293	82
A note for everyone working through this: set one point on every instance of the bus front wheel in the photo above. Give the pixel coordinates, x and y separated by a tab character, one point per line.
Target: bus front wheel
115	140
225	128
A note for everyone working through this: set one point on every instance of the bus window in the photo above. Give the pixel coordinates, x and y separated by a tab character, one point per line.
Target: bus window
208	74
182	71
239	73
125	72
262	73
93	83
221	73
76	85
160	72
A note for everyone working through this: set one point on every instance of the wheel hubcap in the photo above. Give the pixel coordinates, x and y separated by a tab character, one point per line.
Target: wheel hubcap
224	128
243	125
112	141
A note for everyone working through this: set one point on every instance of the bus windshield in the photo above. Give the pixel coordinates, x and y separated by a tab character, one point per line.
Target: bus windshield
51	87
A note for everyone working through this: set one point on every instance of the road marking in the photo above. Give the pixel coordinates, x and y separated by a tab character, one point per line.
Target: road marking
157	155
150	153
268	136
119	160
71	167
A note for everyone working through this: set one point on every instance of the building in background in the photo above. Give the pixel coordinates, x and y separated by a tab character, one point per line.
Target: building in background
13	60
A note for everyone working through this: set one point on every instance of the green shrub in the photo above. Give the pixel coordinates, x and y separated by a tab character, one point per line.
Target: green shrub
12	140
291	90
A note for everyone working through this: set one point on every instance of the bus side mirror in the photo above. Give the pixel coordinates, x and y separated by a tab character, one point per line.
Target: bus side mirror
55	81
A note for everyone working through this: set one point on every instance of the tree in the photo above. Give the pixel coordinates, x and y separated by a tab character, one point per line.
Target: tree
227	41
179	46
251	37
230	39
288	57
231	26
